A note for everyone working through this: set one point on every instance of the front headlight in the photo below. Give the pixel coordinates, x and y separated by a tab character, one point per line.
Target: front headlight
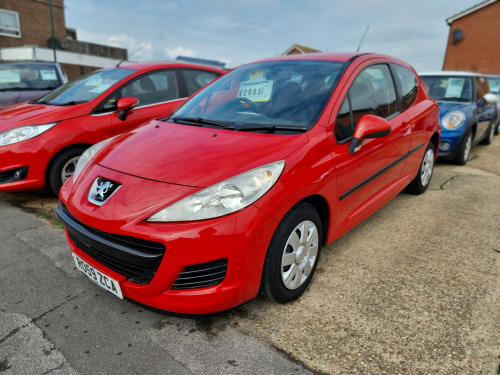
23	133
223	198
453	120
87	156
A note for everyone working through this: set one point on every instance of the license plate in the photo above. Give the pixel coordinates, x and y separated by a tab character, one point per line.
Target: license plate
104	281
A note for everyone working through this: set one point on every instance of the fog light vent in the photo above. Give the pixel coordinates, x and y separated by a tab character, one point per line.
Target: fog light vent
201	275
445	146
12	175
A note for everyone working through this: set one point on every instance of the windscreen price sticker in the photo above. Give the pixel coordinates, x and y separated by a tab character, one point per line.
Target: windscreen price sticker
257	89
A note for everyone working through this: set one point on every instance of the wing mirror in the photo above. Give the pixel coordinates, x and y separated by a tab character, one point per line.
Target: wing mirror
124	105
490	98
369	126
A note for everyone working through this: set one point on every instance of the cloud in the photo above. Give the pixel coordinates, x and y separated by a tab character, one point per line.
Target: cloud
172	53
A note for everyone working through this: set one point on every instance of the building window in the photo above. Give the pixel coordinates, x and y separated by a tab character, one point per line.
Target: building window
9	23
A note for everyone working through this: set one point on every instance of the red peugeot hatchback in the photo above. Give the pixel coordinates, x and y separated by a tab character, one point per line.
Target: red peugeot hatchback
41	140
240	187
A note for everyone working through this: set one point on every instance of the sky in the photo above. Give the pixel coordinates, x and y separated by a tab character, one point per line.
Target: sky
241	31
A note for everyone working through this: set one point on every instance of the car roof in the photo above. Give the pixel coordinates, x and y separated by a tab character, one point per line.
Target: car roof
166	64
28	63
335	56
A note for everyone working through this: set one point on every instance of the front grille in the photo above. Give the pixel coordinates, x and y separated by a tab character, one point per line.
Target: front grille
135	258
201	275
17	174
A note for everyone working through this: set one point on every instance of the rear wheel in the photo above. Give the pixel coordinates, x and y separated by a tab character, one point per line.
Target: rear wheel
62	167
463	154
423	178
293	254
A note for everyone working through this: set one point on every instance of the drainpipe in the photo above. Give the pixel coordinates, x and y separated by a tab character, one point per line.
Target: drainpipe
52	30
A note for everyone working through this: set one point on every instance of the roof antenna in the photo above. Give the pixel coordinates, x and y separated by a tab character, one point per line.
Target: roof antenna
363	38
133	53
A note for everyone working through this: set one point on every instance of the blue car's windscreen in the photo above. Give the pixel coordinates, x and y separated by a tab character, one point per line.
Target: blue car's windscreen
450	88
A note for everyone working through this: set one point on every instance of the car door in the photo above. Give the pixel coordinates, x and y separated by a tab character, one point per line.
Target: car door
370	176
158	95
485	111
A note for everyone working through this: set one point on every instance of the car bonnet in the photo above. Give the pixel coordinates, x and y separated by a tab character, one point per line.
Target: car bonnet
37	114
194	156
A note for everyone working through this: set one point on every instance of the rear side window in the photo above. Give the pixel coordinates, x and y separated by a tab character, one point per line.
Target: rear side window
482	87
372	93
196	79
409	86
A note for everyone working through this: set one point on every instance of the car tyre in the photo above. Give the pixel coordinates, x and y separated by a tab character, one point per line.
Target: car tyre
293	254
421	182
491	134
464	152
62	168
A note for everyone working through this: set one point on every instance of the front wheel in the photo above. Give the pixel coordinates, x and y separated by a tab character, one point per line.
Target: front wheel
293	254
491	134
62	167
463	153
423	178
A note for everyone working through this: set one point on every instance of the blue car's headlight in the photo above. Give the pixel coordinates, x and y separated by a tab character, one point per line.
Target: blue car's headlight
453	120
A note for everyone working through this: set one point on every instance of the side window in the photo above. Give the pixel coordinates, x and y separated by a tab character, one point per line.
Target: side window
152	88
372	93
344	127
482	87
409	85
196	79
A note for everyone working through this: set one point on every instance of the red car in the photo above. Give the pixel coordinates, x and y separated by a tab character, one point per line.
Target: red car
41	140
241	186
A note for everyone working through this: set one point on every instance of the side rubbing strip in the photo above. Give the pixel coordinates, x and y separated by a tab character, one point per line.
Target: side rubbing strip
380	172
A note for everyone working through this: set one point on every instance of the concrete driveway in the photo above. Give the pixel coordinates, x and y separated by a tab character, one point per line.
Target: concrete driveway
415	289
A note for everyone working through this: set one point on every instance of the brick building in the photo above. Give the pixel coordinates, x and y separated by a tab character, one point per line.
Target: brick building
26	34
473	41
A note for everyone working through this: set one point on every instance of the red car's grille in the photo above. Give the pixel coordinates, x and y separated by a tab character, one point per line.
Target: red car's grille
135	258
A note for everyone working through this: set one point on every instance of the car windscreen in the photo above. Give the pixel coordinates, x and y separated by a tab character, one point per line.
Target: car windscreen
450	88
86	87
286	96
27	77
494	83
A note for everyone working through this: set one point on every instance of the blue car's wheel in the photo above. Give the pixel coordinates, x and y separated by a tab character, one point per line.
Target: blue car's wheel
463	153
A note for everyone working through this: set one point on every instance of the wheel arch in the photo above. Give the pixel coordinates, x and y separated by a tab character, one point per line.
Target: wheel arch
54	157
321	205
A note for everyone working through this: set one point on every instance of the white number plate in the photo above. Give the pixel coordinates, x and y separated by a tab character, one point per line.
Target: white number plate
98	277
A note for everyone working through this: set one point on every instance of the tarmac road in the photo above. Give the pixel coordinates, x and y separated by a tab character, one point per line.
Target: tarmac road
415	289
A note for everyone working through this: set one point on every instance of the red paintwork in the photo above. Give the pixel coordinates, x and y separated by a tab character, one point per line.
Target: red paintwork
77	126
126	103
161	163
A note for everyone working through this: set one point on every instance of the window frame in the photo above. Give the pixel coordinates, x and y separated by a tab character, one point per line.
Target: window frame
399	87
100	110
18	29
395	84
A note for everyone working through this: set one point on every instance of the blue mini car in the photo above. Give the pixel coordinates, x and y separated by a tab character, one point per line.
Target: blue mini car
467	112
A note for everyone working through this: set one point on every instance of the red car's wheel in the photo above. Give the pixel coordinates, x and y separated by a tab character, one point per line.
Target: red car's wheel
293	254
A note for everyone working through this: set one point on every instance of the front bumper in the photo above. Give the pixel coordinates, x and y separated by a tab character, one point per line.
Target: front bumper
33	156
195	268
454	139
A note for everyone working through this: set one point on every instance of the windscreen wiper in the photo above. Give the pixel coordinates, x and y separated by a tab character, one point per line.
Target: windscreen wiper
201	121
272	128
72	102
